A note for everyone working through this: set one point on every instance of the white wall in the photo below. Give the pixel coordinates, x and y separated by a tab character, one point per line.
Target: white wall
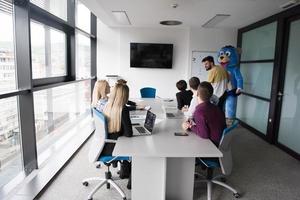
114	54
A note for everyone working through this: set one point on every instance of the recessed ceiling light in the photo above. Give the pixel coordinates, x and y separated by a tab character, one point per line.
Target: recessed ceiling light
170	22
121	17
215	20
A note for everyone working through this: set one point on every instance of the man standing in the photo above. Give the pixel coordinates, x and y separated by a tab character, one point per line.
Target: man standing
218	78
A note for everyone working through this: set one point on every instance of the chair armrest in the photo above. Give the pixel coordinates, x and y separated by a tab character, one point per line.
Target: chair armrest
110	141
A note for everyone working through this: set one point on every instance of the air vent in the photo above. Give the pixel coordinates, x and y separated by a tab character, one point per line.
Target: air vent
215	20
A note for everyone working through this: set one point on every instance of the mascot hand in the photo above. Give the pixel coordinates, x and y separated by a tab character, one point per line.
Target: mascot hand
238	91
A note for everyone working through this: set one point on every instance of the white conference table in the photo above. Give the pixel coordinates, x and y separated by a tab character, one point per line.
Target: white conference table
163	165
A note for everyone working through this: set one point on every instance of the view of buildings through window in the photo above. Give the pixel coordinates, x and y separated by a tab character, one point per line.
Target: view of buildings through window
48	47
57	109
10	156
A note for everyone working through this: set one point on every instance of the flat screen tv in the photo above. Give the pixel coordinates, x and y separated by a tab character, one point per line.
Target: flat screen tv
150	55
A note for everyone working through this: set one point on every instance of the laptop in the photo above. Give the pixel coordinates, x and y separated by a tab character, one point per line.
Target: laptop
147	129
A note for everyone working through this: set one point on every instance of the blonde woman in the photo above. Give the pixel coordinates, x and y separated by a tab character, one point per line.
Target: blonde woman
101	89
119	123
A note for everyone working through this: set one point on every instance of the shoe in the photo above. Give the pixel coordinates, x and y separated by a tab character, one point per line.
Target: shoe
129	184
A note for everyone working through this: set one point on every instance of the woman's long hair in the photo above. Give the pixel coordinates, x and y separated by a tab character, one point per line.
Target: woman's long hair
101	89
113	110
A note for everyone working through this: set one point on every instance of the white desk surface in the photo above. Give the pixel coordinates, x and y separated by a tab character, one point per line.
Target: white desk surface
163	143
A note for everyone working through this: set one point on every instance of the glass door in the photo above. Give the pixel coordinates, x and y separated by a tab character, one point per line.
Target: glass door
289	94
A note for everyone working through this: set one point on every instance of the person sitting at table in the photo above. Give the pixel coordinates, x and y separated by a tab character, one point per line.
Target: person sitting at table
183	97
208	120
119	124
189	111
100	92
131	104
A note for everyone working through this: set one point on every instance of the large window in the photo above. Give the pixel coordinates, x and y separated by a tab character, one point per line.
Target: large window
44	100
48	47
83	17
55	7
83	56
7	56
10	155
56	111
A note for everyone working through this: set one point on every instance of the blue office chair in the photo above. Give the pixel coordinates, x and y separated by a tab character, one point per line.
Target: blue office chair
225	163
98	141
148	92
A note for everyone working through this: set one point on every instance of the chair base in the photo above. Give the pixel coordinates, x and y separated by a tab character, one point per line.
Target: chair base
108	181
210	182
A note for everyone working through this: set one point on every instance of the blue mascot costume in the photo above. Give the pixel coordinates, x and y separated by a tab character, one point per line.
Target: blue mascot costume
228	58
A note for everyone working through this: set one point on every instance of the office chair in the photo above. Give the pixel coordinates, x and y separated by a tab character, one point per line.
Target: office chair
148	92
225	163
98	141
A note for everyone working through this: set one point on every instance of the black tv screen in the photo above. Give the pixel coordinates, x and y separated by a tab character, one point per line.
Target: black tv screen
149	55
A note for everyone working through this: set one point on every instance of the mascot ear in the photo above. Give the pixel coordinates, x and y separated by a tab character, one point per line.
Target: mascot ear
239	50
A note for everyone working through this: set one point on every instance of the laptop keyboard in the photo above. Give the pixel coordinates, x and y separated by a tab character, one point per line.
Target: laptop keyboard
140	129
170	115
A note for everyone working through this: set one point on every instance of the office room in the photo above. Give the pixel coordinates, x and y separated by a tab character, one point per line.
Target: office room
78	78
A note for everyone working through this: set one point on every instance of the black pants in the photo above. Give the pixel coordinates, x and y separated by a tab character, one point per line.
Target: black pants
222	100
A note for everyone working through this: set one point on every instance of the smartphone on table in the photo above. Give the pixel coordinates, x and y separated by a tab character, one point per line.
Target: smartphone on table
181	134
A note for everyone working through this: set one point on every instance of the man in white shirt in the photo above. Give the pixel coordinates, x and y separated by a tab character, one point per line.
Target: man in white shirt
194	83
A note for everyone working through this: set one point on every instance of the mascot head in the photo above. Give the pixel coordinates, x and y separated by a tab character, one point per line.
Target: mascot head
228	56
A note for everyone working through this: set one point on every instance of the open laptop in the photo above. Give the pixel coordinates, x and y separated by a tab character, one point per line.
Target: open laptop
147	129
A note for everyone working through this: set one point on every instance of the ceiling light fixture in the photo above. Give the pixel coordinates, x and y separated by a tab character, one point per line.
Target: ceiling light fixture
289	4
215	20
170	22
121	17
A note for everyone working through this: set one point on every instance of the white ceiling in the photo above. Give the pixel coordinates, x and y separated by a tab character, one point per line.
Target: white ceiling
193	13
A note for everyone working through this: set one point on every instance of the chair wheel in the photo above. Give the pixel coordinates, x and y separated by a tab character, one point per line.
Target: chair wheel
236	195
107	185
124	198
85	183
90	199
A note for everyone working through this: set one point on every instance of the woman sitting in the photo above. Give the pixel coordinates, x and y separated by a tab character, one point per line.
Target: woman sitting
119	124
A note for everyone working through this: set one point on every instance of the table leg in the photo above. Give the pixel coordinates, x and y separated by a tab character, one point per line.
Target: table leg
180	178
148	178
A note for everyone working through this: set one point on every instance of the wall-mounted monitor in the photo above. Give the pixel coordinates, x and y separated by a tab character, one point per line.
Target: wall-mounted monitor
151	55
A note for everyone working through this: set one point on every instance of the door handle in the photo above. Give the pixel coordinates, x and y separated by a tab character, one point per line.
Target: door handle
280	94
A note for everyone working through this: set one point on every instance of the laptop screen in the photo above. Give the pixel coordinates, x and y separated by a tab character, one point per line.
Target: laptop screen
150	121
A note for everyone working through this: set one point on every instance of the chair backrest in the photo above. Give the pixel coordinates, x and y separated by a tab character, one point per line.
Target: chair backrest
148	92
225	148
100	134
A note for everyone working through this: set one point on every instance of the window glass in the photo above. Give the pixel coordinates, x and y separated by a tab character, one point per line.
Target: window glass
55	7
48	51
7	57
83	17
56	111
259	43
10	153
255	76
254	112
83	56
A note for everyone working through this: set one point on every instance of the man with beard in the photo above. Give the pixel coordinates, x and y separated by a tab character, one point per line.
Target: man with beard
218	77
